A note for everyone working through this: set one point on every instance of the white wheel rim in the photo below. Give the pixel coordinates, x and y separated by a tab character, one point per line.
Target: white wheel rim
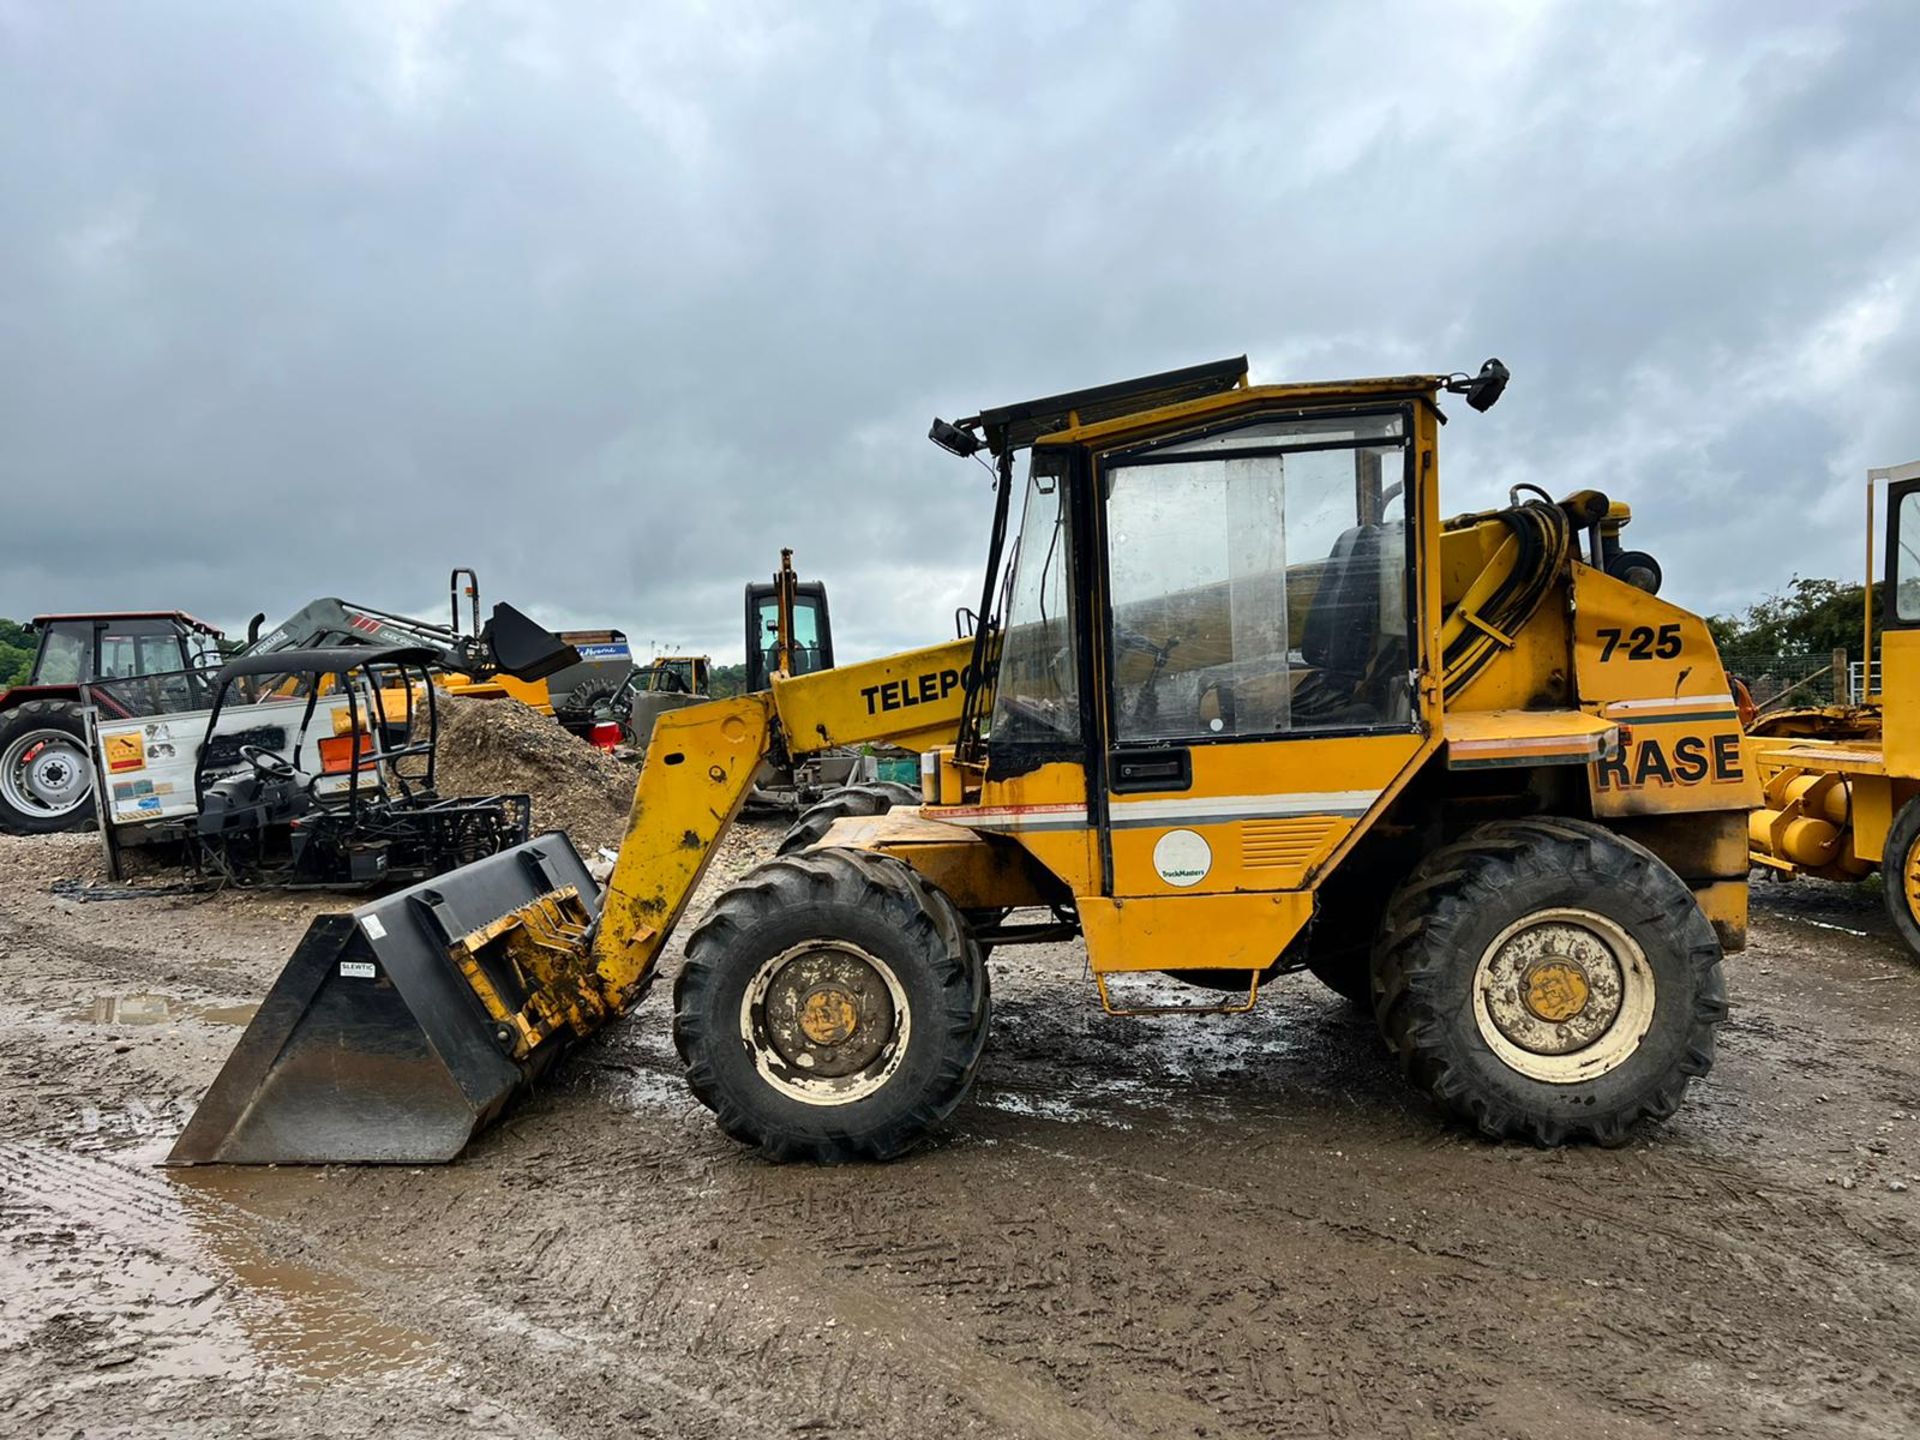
1563	996
841	980
44	772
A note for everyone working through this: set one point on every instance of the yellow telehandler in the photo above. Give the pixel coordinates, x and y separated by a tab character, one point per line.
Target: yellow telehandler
1241	704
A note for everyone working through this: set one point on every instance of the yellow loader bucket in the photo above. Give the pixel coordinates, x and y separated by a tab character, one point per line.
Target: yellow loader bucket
374	1045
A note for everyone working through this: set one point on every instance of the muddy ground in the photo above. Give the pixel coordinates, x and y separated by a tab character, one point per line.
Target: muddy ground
1216	1228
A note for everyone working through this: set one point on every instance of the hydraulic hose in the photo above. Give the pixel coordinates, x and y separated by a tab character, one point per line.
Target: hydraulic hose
1536	551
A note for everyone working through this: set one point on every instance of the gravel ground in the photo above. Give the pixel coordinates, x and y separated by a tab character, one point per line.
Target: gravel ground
1220	1228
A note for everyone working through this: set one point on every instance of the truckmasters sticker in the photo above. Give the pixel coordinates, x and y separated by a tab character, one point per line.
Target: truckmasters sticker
1182	857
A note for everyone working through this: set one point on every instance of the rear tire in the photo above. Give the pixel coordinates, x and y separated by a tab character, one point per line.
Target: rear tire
584	700
581	707
46	777
1549	980
876	797
832	1008
1340	946
1347	974
1900	873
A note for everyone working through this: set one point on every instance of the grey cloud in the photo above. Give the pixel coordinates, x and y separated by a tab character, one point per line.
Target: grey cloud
612	304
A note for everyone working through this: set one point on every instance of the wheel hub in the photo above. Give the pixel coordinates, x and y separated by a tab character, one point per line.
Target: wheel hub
52	774
829	1015
44	771
1555	991
1553	988
828	1012
1563	995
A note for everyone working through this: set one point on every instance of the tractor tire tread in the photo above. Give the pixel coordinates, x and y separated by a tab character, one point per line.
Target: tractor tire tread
872	798
1466	877
64	715
1902	835
930	932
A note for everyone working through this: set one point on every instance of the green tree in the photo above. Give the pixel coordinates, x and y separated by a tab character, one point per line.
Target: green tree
727	681
17	646
1812	618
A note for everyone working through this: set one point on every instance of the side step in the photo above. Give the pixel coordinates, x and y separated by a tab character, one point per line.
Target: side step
372	1046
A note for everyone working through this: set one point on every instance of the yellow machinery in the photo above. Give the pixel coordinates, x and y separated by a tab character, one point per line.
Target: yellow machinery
1243	705
1842	787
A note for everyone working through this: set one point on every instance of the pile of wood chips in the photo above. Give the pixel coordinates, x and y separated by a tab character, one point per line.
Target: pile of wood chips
501	747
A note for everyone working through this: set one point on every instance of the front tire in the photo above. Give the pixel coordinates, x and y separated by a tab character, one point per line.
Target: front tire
832	1008
1549	980
876	797
46	778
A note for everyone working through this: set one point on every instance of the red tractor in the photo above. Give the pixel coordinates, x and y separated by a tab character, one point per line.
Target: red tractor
46	778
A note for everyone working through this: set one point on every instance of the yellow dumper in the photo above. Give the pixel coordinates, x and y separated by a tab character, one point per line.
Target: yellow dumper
1841	789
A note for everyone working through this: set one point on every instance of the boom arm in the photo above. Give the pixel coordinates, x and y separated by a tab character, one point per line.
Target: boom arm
700	767
508	642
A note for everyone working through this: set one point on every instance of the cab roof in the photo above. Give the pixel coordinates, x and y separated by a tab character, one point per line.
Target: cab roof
1152	401
177	616
1315	393
1013	427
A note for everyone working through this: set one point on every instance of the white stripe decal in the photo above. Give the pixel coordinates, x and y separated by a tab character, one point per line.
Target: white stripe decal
1017	817
1682	702
1518	744
1246	807
1191	810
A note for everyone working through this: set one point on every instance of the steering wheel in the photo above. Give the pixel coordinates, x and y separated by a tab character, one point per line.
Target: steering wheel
270	765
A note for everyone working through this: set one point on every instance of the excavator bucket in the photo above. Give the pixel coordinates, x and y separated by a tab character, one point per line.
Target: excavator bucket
373	1046
523	648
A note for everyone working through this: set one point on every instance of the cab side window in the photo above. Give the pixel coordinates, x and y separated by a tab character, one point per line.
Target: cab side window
1906	559
63	655
1258	582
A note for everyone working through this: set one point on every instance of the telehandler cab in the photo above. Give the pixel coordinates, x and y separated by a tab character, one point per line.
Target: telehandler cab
1242	705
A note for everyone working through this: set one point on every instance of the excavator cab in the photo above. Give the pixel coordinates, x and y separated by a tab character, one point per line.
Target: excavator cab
809	627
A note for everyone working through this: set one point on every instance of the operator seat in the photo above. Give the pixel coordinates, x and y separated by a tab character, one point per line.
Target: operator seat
1343	623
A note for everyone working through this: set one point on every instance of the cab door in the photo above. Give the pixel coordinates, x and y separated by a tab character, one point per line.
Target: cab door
1259	656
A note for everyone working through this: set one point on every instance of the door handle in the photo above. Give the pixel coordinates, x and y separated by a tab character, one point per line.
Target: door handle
1131	771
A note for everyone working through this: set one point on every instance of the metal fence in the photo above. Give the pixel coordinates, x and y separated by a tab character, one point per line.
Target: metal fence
1778	681
1863	678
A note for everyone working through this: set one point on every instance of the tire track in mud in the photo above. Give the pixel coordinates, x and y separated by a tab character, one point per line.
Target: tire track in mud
230	1307
140	1306
1621	1312
1128	1232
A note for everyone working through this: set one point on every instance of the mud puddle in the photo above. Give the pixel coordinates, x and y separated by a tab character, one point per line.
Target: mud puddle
106	1266
143	1009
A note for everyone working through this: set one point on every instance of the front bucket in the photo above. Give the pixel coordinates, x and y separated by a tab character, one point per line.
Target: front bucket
523	648
372	1047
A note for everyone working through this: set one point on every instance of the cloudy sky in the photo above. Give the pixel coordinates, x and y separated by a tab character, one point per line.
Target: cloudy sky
611	301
